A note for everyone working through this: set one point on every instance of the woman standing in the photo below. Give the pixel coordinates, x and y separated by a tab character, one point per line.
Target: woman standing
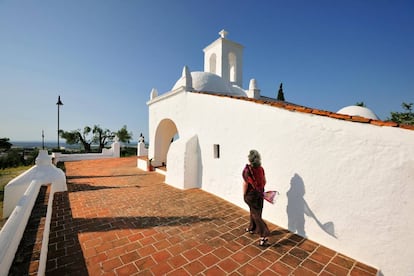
253	187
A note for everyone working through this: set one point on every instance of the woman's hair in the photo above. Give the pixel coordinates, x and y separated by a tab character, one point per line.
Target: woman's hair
254	158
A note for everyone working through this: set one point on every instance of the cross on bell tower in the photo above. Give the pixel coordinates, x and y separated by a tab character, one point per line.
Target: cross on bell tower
223	33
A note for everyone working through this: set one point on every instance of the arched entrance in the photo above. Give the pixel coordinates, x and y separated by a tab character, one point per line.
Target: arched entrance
165	134
181	156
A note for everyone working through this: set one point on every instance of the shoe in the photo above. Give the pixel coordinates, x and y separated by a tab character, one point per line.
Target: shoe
263	242
248	230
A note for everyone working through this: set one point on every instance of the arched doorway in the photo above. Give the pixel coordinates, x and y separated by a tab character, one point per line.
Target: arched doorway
181	156
165	134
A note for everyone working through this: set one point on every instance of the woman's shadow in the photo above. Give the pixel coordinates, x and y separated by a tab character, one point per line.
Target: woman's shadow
297	208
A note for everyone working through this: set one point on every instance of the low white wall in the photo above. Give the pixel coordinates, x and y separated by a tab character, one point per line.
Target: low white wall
141	149
12	232
182	159
143	152
175	161
43	172
19	197
113	152
346	185
45	240
142	164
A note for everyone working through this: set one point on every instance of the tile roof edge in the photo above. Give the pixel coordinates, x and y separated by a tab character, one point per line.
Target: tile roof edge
313	111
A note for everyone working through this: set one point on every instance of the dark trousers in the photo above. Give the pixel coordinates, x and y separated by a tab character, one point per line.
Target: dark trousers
255	201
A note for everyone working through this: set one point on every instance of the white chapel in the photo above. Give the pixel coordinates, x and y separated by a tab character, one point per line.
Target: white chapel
346	180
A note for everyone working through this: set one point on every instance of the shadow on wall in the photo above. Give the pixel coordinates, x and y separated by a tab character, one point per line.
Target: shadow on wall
199	167
297	208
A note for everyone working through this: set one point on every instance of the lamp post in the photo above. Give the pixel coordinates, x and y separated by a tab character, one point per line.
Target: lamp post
59	103
43	139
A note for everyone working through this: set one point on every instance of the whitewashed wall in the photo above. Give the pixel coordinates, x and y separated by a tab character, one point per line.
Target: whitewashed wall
346	185
43	172
113	152
19	198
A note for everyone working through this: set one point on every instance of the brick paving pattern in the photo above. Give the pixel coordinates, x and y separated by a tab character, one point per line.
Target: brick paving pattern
26	260
119	220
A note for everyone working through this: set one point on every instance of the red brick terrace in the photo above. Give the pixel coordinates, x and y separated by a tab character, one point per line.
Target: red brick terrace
119	220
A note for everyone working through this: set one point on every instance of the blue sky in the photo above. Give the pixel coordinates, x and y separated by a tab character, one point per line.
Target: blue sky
104	57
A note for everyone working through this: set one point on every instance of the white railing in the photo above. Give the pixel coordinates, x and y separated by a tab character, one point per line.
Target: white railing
12	232
19	197
113	152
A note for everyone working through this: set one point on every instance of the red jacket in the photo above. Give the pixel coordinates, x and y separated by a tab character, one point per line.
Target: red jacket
257	180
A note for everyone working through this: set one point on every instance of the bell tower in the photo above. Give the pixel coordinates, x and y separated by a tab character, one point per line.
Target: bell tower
224	57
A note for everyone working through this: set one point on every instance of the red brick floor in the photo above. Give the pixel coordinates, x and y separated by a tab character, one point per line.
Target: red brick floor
119	220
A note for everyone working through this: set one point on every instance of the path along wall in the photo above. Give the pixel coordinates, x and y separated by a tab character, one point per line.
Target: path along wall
346	185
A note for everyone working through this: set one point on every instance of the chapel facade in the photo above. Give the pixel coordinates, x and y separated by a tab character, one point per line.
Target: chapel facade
327	166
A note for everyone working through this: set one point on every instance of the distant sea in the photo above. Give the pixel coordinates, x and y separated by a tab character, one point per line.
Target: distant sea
52	145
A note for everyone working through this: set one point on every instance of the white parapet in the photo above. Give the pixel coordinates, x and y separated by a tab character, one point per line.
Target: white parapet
113	152
19	197
12	231
43	172
141	149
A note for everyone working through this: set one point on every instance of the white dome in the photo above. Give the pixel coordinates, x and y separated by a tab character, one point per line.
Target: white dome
238	91
209	82
354	110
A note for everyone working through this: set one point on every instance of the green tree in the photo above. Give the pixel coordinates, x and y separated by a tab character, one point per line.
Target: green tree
13	158
123	135
362	104
102	136
5	145
76	136
280	94
406	117
96	135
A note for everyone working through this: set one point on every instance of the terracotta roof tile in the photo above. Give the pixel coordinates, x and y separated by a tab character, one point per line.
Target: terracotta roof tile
407	127
321	112
294	107
382	123
278	104
290	107
361	119
340	116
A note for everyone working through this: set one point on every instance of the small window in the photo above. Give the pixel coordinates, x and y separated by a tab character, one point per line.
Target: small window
216	151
